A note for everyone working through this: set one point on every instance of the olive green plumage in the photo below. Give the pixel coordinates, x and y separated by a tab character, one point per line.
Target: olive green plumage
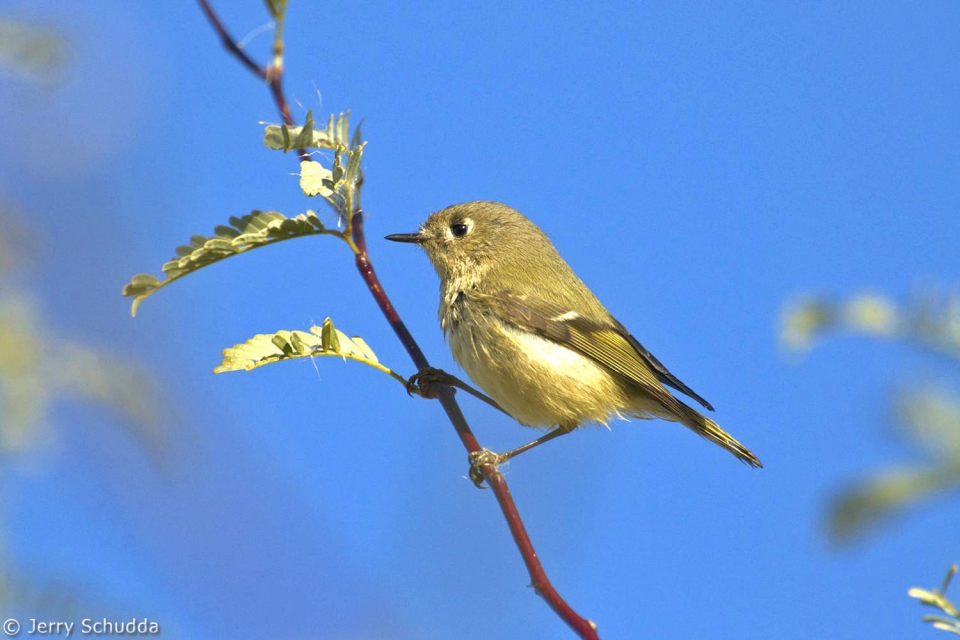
529	332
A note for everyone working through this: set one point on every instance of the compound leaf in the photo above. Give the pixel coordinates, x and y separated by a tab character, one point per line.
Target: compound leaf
257	229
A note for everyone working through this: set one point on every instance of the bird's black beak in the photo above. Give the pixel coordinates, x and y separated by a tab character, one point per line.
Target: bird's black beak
415	238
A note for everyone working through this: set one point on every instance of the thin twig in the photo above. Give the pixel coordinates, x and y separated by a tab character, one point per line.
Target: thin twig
445	394
272	75
229	42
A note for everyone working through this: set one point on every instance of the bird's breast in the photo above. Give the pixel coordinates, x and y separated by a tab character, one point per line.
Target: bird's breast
537	381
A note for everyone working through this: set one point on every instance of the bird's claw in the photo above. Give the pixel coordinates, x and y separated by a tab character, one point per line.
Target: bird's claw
478	459
420	381
413	383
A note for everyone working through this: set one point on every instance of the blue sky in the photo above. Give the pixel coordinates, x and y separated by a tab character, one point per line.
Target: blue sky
698	164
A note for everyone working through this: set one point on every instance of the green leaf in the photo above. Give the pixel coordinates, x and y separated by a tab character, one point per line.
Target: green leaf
951	572
365	348
329	130
950	626
315	179
938	600
928	598
357	140
338	184
343	128
141	286
329	339
287	138
353	165
265	348
258	229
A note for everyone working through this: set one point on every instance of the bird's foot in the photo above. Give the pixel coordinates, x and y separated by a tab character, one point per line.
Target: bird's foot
421	381
480	458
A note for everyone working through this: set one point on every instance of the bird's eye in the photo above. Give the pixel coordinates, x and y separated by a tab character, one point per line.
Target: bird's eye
459	230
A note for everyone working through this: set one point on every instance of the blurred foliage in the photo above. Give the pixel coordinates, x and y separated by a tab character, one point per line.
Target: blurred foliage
26	593
928	418
30	52
928	421
929	320
938	598
38	369
23	591
15	243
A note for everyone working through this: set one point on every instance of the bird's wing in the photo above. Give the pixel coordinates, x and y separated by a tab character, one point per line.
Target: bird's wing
606	344
609	344
663	374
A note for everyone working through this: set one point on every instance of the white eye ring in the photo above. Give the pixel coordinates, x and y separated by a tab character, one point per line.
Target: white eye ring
460	228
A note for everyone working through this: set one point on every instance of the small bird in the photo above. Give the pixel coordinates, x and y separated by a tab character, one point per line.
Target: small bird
531	334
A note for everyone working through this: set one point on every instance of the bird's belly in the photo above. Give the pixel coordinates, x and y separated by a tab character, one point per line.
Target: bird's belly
537	381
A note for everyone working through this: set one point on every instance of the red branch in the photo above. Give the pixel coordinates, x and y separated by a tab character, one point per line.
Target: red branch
273	76
538	577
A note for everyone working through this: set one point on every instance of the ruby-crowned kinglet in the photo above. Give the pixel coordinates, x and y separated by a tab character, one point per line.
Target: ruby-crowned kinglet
529	332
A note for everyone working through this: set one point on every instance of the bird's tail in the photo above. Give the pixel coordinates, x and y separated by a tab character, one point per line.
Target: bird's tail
707	428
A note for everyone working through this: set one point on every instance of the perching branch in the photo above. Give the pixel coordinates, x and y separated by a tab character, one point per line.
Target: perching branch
540	582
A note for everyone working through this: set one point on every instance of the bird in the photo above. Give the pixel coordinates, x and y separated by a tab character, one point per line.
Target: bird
535	339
